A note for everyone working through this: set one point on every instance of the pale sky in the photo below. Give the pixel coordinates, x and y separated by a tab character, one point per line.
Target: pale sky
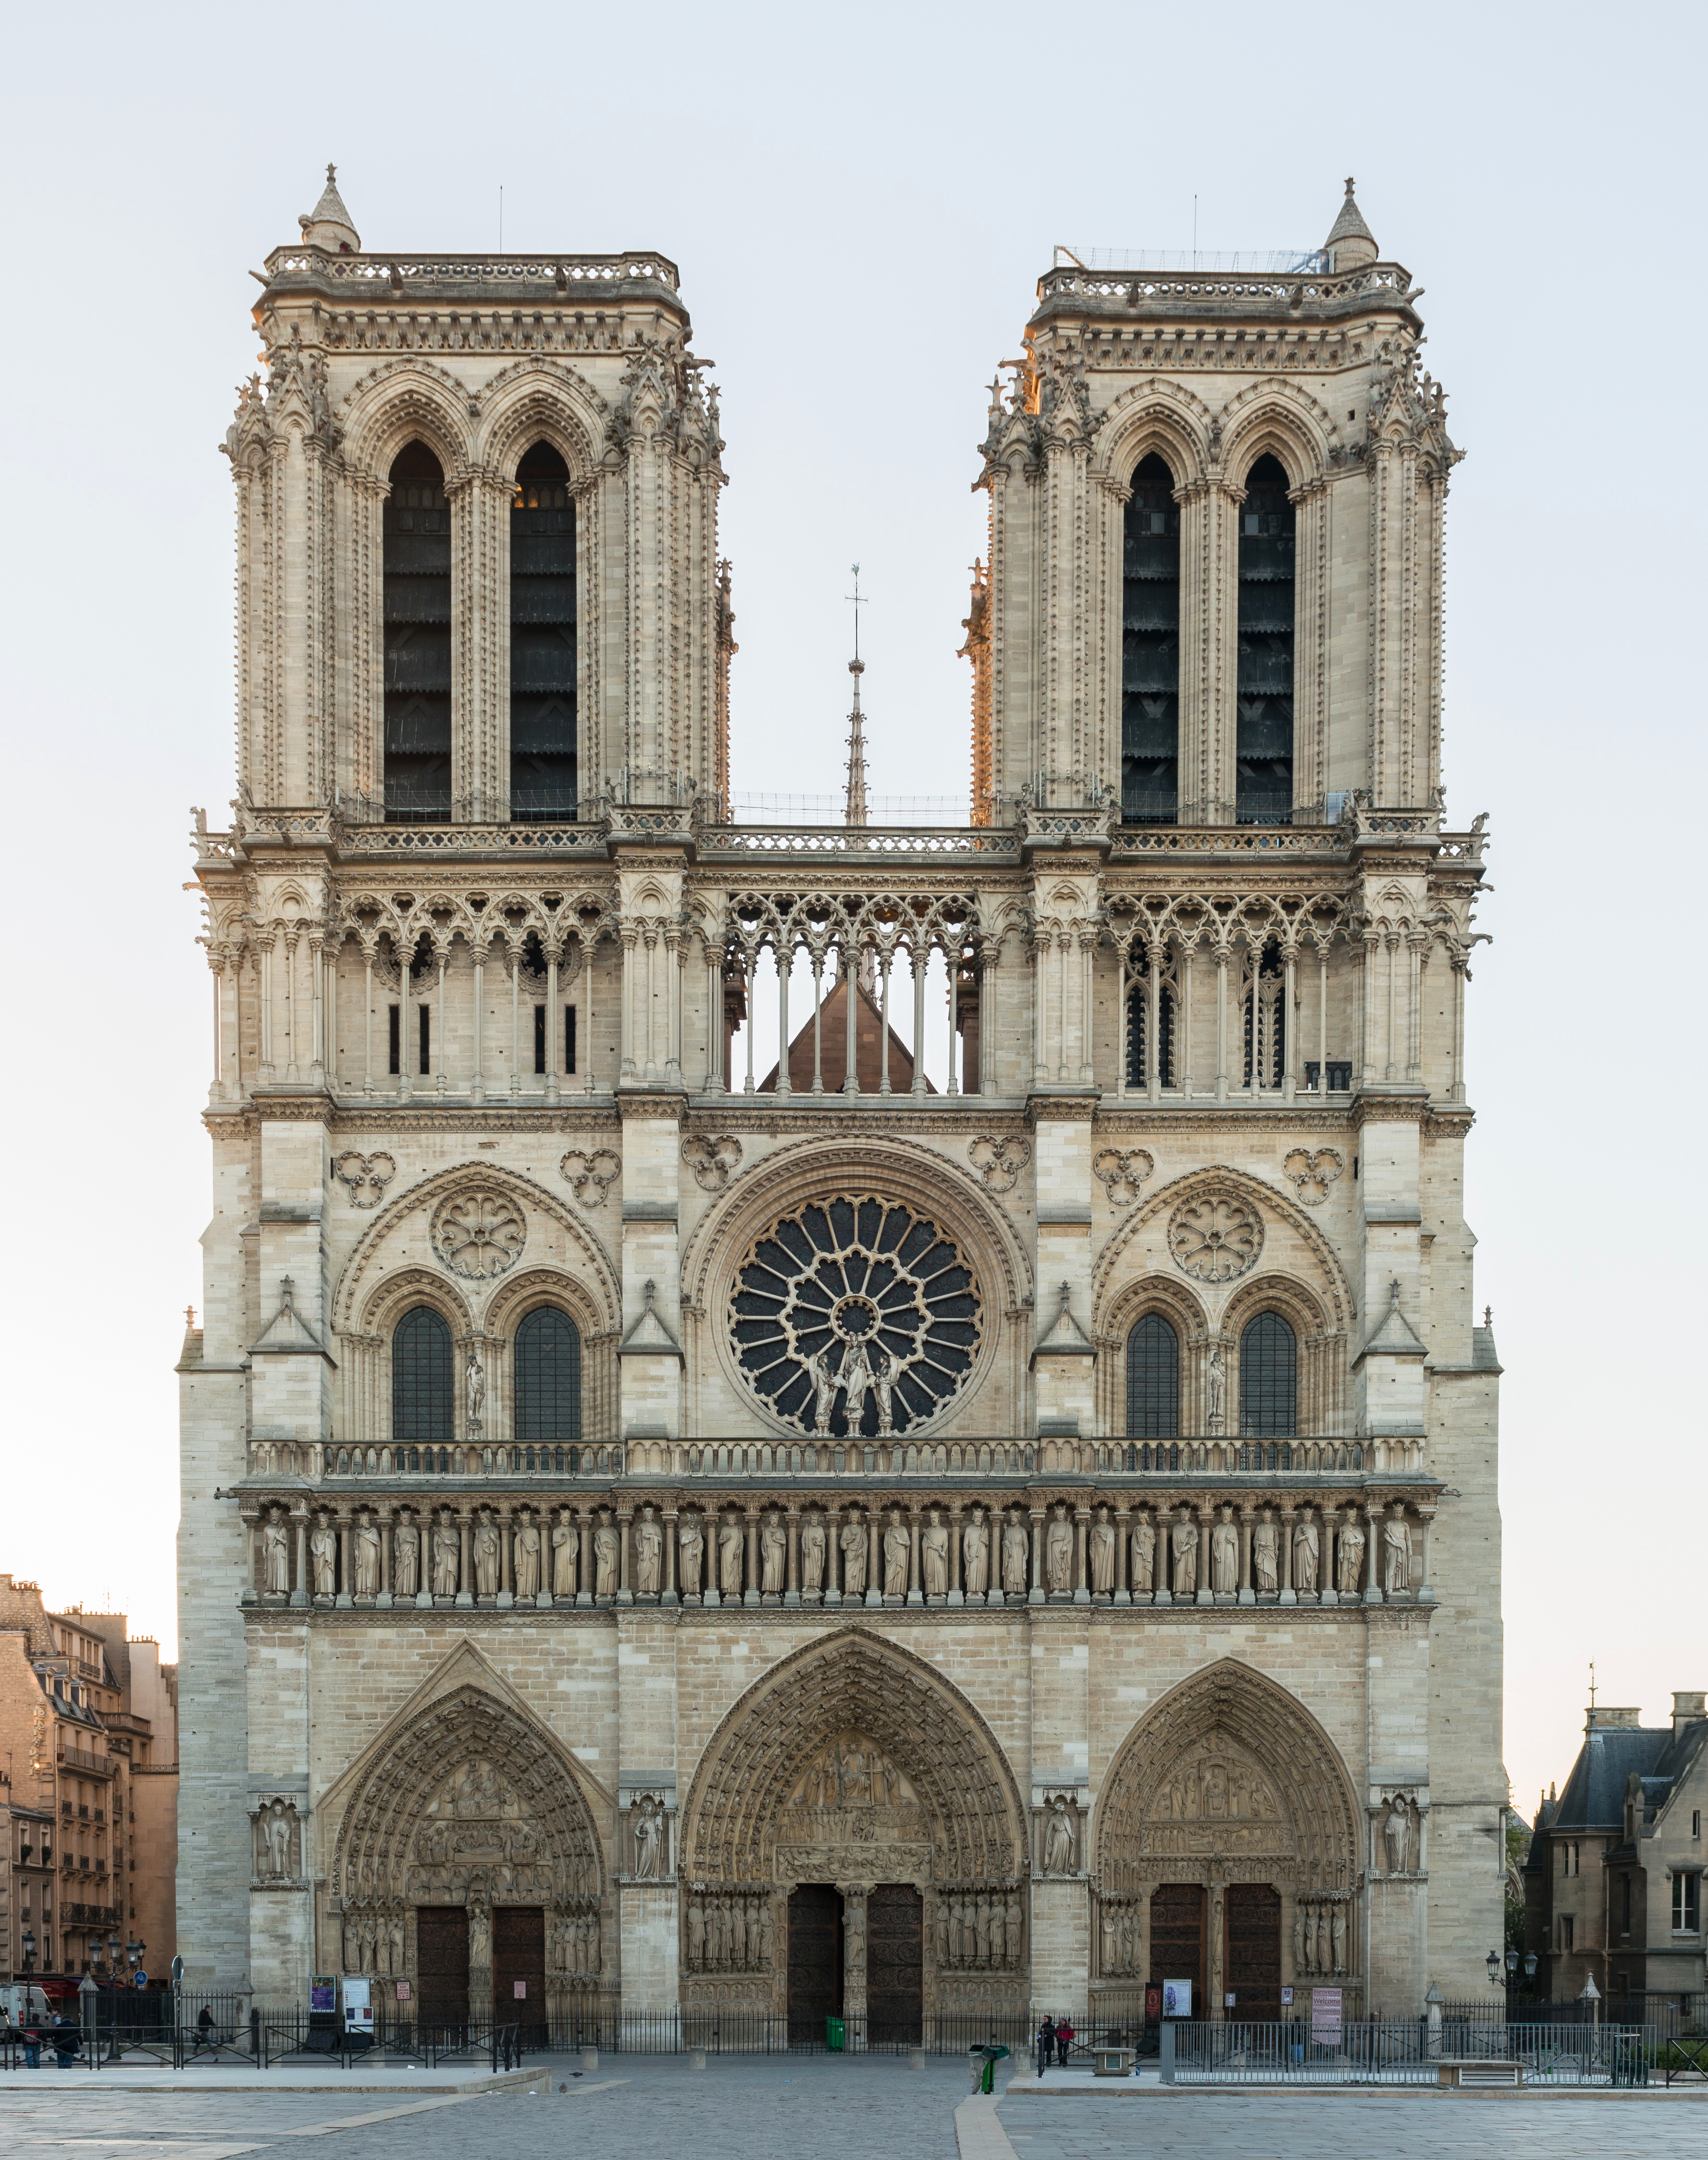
860	202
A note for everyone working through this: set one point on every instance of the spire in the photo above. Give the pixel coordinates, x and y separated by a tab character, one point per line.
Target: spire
1350	241
328	224
858	805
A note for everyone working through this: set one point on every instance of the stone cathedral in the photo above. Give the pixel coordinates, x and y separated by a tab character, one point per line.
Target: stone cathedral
887	1536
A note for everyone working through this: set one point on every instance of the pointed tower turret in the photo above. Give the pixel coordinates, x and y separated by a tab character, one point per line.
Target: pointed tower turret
329	225
858	804
1350	242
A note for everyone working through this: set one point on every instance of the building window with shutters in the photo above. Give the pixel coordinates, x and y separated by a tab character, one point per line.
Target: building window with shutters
417	553
1687	1903
543	687
1150	649
1264	746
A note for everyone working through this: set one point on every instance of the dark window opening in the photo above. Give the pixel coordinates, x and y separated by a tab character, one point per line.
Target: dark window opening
395	1018
542	714
1625	1905
1153	1378
1139	1033
1340	1077
1268	1384
417	529
1266	1026
569	1038
421	1400
1151	650
1264	748
547	1377
425	1015
539	1038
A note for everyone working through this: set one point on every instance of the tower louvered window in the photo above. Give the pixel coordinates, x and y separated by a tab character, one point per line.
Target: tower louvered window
1153	1380
422	1402
542	737
1265	746
1269	1381
1151	650
547	1377
418	631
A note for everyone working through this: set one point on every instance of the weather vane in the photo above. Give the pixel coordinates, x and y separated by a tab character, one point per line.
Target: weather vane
859	601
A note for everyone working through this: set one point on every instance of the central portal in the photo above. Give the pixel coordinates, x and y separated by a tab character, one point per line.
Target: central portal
815	1961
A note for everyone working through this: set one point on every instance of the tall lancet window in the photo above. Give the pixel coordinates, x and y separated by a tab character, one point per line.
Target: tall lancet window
1264	745
1151	650
542	776
417	610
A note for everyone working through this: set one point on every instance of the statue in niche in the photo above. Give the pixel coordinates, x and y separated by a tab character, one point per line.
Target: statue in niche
1306	1546
1112	1939
394	1928
446	1556
1215	1391
773	1553
853	1542
474	1375
406	1557
566	1553
691	1551
1013	1557
485	1555
274	1827
738	1932
1396	1835
1396	1555
1265	1553
1338	1923
854	1934
884	1370
1352	1558
1058	1554
649	1837
367	1555
1299	1964
527	1557
352	1943
275	1553
857	1384
896	1543
1144	1553
323	1555
1014	1925
1100	1553
1058	1838
941	1922
934	1557
607	1553
730	1556
649	1555
824	1385
1224	1556
696	1933
1184	1539
975	1555
480	1935
812	1546
766	1933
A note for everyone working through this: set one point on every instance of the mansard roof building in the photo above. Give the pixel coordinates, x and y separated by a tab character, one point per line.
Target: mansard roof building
767	1390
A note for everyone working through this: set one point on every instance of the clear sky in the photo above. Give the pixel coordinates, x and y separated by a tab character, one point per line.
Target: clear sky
860	201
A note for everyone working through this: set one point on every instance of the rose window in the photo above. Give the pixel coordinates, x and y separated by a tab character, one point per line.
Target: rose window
1215	1238
479	1233
855	1315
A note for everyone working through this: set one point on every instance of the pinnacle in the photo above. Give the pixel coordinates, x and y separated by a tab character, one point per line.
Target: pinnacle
1350	224
329	225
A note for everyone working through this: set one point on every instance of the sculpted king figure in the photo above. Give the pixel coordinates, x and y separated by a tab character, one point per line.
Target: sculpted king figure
934	1557
813	1553
649	1555
975	1555
690	1548
566	1554
527	1558
1013	1557
853	1542
406	1560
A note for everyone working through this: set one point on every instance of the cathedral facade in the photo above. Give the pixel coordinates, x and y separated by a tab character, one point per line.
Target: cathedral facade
863	1537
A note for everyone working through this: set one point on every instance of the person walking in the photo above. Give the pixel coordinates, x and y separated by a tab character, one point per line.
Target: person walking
1064	2041
1046	2045
65	2038
204	2028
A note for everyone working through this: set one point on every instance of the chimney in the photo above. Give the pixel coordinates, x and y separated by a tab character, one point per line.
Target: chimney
1689	1709
1601	1716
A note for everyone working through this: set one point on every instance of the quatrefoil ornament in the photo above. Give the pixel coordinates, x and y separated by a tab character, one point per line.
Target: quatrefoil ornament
1121	1172
1313	1171
712	1161
998	1160
364	1176
591	1176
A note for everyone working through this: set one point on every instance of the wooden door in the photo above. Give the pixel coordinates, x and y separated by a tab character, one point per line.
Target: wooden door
815	1961
1251	1955
519	1961
1177	1938
442	1964
895	1965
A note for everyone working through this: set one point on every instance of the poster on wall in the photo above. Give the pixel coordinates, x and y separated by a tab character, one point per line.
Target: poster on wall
358	2007
322	1994
1177	1998
1153	2003
1325	2017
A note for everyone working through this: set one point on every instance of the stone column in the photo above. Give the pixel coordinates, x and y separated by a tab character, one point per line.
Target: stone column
1034	1596
1248	1588
1124	1554
792	1575
1326	1594
1288	1596
299	1516
957	1595
670	1513
465	1576
1425	1588
583	1574
833	1555
344	1596
751	1596
875	1557
853	1950
506	1593
385	1521
1081	1585
915	1596
1207	1523
625	1595
1372	1551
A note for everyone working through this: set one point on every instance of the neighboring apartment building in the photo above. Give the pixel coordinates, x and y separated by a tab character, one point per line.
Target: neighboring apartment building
89	1725
1613	1883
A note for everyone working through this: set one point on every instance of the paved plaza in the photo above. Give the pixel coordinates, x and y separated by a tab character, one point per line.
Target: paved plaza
815	2108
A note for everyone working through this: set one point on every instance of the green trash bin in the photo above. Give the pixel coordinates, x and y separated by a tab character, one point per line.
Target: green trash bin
833	2032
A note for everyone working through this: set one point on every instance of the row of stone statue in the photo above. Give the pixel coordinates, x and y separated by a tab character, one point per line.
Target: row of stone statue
916	1555
1121	1940
730	1934
978	1932
1320	1936
374	1941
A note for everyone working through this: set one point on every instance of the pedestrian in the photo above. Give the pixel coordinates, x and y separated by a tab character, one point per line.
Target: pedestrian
65	2038
204	2028
32	2038
1064	2041
1046	2045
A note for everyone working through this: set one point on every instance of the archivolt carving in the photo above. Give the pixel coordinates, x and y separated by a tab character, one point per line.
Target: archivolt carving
535	400
1284	419
1163	417
1228	1768
397	402
798	1759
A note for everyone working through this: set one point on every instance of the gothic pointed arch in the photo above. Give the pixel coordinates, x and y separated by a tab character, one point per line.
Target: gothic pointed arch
399	400
964	1814
1229	1777
1166	417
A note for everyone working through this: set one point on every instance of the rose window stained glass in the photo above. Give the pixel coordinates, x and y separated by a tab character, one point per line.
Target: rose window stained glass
855	1316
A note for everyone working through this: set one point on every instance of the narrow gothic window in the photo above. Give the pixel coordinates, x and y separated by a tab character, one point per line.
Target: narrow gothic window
397	1035
417	611
1153	1378
1151	650
539	1038
1139	1031
1263	1000
1265	747
569	1038
543	740
1269	1383
421	1378
547	1377
424	1018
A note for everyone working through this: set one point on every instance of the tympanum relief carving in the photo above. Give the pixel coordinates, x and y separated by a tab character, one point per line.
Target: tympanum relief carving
852	1794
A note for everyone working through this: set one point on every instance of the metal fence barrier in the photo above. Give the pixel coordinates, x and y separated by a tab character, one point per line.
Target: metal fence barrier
1404	2053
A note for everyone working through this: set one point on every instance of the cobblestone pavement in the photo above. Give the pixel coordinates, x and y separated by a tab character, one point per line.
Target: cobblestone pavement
815	2108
